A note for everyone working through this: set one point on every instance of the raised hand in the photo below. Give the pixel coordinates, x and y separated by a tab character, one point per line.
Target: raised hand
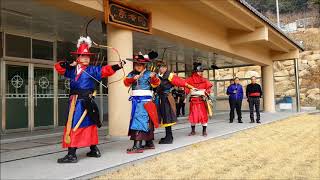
122	63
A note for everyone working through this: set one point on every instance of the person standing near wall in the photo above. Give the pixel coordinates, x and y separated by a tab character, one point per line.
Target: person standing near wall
254	93
176	98
198	105
235	93
181	102
165	102
141	127
83	119
228	89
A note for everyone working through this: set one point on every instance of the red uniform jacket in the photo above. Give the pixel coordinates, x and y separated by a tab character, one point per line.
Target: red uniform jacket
198	110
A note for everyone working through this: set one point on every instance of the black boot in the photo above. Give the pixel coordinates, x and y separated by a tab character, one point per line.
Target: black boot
149	145
136	148
94	152
168	139
240	121
193	131
231	121
258	121
252	121
204	131
71	157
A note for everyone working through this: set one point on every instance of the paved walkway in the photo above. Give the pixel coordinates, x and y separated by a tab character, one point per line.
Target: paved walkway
36	159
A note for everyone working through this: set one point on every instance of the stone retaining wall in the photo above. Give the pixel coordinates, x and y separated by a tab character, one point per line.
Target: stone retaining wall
309	73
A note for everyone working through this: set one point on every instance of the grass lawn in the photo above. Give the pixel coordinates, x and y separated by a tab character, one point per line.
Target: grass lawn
287	149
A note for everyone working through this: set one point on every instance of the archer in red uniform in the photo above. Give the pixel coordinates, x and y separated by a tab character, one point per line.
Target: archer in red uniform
83	119
198	105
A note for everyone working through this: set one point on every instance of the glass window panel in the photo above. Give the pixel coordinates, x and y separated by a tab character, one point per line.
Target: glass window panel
18	46
244	84
221	88
174	67
63	85
42	49
282	68
100	58
247	71
224	74
64	49
182	74
1	49
105	82
181	67
211	75
14	21
205	74
17	97
43	97
94	59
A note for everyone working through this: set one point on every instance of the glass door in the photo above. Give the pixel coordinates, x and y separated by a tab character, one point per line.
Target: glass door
63	99
43	96
16	97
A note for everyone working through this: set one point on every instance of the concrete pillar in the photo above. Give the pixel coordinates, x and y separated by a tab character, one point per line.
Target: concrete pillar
119	108
268	88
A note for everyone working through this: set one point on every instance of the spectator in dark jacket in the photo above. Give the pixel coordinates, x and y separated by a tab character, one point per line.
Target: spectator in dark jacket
254	93
235	93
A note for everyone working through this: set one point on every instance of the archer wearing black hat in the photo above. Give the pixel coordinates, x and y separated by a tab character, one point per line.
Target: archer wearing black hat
165	101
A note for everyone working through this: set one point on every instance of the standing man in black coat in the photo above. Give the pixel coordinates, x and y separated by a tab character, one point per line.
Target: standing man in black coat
181	102
254	93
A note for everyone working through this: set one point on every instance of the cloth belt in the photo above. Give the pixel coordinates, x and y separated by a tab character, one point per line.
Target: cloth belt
82	94
142	93
200	92
255	94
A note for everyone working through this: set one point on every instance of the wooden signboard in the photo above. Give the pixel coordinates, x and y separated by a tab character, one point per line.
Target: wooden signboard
125	16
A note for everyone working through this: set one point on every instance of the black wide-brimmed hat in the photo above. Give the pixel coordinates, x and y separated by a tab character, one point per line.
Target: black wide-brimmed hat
197	67
144	59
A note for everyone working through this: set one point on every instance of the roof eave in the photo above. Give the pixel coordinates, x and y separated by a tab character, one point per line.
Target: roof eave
271	24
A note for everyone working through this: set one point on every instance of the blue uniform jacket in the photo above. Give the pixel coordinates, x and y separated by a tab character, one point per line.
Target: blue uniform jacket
139	116
84	82
235	92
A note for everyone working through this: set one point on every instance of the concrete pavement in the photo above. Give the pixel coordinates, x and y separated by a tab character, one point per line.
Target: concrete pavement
39	162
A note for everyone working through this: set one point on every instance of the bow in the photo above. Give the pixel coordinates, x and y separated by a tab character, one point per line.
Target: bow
121	62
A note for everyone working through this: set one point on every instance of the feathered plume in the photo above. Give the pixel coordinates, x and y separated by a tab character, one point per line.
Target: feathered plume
86	40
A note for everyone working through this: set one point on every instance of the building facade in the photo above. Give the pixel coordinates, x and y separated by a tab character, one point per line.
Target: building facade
36	34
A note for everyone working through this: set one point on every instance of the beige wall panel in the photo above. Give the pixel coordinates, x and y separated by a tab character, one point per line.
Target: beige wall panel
119	108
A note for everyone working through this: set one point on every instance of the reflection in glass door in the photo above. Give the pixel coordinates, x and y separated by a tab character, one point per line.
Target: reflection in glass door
16	97
63	98
43	97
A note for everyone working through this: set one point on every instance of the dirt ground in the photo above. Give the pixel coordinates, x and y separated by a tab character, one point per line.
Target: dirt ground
287	149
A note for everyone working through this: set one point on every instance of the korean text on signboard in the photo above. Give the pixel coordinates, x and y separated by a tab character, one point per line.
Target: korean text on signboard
126	16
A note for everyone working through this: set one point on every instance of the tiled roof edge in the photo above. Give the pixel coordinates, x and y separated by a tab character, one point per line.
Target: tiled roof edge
267	20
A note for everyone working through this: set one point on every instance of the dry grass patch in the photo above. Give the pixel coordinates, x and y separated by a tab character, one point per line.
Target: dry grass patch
287	149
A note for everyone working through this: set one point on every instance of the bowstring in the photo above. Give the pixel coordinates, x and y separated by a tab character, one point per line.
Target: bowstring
95	79
109	47
119	57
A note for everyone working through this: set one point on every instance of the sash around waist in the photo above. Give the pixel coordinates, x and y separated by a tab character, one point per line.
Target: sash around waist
140	98
200	92
81	93
142	93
